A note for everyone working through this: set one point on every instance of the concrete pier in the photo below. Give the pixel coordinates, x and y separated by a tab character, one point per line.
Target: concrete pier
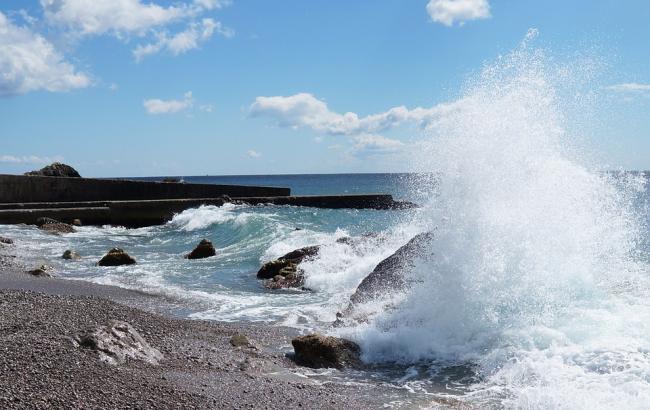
21	189
101	202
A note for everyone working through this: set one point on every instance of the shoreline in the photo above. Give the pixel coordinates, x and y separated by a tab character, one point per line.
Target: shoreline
40	366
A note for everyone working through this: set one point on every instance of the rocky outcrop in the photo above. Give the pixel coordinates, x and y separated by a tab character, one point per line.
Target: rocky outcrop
71	255
318	351
284	271
388	275
43	271
56	169
116	257
53	226
204	249
118	341
6	241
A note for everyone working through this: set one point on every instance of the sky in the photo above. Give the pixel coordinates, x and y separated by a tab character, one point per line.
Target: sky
197	87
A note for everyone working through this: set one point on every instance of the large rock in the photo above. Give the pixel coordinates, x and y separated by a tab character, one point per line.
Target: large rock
53	226
284	272
291	260
56	169
6	241
320	351
204	249
116	257
387	277
71	255
118	341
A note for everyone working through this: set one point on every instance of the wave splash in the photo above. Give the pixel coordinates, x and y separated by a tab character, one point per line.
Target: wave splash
536	278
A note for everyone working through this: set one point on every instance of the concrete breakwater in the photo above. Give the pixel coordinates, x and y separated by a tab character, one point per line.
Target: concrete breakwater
25	189
24	199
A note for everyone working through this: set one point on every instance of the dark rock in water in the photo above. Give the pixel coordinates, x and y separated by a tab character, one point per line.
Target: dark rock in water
56	169
204	249
172	180
388	274
43	271
286	264
318	351
291	280
53	226
71	255
118	341
387	277
6	241
116	257
43	220
76	222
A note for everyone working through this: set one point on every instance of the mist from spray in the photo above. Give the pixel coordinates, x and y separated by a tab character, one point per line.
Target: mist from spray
536	277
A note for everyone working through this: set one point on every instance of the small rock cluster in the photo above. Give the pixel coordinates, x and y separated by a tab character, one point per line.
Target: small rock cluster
284	271
53	226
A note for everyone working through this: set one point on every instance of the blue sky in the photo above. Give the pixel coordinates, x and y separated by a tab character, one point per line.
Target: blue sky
194	87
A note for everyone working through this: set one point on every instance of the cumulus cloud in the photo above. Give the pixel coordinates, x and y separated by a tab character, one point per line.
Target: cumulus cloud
448	12
157	106
29	159
29	62
118	17
305	110
253	154
126	18
630	88
183	41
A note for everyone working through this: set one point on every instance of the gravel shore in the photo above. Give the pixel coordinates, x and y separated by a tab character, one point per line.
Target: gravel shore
40	366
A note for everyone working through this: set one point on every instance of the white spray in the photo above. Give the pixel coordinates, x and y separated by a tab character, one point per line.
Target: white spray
535	278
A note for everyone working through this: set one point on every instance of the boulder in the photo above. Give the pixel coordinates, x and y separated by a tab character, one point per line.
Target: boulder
56	169
76	222
388	276
240	340
6	241
204	249
116	342
53	226
71	255
286	264
284	272
43	271
318	351
116	257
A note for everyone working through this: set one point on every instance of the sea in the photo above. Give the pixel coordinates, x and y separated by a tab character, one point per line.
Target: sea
535	292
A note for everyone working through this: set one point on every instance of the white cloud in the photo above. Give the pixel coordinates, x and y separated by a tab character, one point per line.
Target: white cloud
183	41
305	110
253	154
29	159
157	106
118	17
630	87
369	143
448	12
29	62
